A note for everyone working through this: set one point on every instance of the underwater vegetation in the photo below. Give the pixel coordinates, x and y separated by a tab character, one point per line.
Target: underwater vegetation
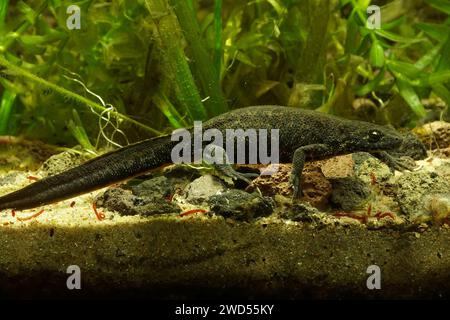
135	69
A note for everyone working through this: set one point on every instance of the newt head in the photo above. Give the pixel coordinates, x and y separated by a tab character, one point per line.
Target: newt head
365	136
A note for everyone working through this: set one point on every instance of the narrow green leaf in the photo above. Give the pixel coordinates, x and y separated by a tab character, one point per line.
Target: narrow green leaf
442	5
207	77
371	85
279	7
436	31
6	106
3	10
438	77
218	45
397	38
409	94
377	55
351	41
429	80
429	57
407	69
444	62
79	133
393	24
171	113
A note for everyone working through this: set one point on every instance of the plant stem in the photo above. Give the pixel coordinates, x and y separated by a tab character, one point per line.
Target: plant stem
6	104
3	10
170	36
218	45
208	76
163	104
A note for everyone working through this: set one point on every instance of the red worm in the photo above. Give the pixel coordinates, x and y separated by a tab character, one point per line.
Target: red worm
32	216
187	213
100	215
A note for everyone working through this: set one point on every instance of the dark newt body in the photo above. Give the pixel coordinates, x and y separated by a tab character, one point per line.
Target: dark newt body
302	134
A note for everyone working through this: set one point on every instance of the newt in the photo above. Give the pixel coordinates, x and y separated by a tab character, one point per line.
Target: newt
303	134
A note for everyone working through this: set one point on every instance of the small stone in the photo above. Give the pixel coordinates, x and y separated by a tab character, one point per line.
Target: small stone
61	162
155	188
349	193
201	189
301	211
367	168
126	204
240	205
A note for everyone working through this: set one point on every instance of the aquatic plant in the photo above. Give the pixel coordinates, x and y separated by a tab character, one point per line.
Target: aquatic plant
138	68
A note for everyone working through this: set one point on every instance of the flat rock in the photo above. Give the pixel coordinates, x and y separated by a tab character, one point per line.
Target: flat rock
241	205
125	203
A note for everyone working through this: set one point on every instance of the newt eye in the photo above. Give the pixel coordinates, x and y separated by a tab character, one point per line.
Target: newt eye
374	136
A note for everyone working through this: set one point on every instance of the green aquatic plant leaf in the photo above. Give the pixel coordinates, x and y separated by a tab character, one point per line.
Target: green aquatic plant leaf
429	57
434	78
444	61
171	37
3	10
404	68
218	38
171	113
397	38
19	71
409	94
76	127
207	77
372	85
436	31
377	55
442	5
6	106
393	24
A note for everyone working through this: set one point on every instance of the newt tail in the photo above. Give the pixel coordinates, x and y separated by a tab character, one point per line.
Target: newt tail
97	173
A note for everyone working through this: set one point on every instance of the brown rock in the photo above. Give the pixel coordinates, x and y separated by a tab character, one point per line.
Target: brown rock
338	167
316	188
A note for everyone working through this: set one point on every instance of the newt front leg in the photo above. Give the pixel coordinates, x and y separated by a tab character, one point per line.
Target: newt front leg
298	162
